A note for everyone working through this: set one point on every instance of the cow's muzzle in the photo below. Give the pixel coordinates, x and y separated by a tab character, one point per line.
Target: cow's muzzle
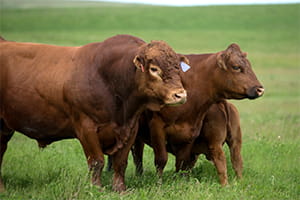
255	92
177	97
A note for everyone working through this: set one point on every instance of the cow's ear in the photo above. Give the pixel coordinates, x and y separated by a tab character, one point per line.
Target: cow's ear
244	54
138	62
221	60
184	59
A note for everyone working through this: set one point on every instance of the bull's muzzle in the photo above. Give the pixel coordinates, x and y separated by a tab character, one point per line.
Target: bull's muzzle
177	97
255	92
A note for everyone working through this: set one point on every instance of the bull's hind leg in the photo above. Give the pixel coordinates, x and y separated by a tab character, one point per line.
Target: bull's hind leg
235	145
5	135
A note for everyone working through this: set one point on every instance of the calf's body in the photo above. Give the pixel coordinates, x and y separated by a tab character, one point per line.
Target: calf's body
221	125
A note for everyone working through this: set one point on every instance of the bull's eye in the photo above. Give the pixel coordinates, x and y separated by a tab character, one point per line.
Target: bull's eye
155	71
236	68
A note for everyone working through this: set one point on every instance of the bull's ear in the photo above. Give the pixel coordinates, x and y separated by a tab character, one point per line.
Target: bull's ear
221	60
184	59
244	54
138	62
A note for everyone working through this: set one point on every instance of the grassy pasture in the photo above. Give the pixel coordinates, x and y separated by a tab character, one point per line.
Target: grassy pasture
271	140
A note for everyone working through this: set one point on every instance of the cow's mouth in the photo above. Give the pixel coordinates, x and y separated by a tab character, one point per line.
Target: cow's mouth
177	98
176	103
255	92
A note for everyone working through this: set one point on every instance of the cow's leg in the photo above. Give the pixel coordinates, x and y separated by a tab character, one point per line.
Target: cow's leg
137	153
235	145
95	160
158	143
218	158
160	153
5	136
184	159
87	135
120	159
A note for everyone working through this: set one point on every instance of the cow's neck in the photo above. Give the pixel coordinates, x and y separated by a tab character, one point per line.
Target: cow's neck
203	87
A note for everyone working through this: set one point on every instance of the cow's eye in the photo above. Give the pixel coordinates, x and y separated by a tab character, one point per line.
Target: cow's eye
153	69
237	68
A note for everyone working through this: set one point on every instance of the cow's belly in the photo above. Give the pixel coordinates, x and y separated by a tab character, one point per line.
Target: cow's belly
180	133
37	119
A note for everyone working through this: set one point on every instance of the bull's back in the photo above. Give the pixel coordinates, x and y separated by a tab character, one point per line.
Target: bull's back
32	78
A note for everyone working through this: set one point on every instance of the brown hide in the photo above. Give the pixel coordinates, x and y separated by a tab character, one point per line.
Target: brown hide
221	124
94	93
211	79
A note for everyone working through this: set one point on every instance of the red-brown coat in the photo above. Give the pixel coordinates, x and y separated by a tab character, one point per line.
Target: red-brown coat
94	93
221	124
211	79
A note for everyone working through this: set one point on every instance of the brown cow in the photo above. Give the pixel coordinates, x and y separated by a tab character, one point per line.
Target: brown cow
221	124
94	93
212	78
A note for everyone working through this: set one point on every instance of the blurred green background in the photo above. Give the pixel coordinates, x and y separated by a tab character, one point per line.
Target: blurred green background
269	33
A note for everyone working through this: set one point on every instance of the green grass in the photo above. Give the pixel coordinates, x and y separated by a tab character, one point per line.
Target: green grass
271	140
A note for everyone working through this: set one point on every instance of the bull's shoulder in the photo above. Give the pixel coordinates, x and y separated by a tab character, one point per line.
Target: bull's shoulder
124	40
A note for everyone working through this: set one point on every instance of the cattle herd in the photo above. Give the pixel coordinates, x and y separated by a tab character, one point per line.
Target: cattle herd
114	96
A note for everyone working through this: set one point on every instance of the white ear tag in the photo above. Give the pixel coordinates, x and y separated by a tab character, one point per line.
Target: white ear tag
184	66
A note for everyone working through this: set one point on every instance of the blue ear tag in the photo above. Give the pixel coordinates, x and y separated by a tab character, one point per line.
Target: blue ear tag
184	66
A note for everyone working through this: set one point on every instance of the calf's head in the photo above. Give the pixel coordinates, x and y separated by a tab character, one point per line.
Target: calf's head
157	76
235	75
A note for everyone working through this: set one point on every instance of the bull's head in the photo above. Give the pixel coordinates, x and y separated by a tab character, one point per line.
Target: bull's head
157	75
236	76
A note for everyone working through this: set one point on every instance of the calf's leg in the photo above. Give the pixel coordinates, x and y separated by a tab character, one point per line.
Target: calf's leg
235	145
184	159
218	158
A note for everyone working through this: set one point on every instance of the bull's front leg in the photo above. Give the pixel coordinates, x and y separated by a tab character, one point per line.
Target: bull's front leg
86	132
119	163
158	143
137	154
